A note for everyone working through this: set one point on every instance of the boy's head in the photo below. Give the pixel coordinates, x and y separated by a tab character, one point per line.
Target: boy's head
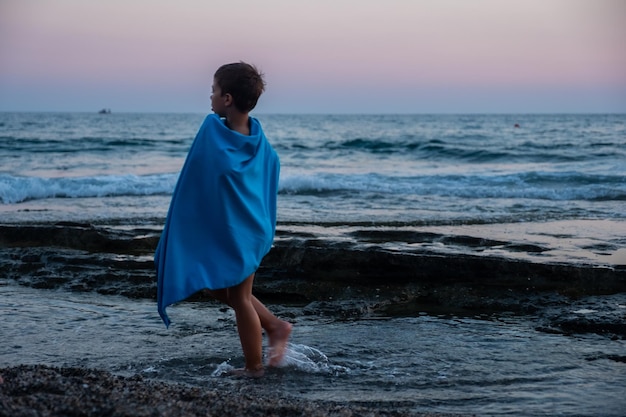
243	82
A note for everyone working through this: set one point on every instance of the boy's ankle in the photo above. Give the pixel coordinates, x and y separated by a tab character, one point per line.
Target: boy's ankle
248	373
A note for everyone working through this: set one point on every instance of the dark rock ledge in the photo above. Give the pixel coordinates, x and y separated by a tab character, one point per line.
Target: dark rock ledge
344	278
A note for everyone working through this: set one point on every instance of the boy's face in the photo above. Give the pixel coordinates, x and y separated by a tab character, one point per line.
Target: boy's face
218	102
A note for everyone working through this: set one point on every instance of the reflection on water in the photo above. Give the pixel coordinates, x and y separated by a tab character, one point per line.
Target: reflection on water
463	365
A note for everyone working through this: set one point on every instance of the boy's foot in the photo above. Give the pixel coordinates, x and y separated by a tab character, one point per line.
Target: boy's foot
247	373
278	343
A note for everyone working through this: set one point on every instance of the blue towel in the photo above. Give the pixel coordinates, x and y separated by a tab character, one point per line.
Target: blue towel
222	217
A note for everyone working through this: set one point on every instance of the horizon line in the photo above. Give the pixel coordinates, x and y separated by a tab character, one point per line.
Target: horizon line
367	113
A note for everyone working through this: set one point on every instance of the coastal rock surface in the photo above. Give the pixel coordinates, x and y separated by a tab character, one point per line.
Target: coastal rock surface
363	271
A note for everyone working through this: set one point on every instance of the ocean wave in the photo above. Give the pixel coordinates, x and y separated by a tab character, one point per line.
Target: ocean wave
467	148
16	189
528	185
92	144
531	185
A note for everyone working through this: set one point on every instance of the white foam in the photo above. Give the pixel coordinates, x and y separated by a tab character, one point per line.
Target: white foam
308	359
15	189
223	368
585	311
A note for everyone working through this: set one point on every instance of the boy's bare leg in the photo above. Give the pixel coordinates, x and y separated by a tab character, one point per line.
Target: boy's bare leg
248	326
277	330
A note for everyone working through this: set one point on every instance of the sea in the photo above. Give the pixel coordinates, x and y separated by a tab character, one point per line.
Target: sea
419	169
491	172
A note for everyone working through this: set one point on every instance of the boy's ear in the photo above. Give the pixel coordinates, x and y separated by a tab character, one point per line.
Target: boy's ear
228	99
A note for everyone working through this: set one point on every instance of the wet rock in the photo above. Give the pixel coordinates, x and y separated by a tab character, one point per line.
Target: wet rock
360	273
605	315
78	236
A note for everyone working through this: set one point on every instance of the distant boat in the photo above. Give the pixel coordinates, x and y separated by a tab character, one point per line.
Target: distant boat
105	111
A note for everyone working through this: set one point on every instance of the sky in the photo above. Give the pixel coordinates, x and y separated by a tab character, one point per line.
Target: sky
322	56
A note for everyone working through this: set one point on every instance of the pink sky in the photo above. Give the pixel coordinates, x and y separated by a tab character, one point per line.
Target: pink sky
329	56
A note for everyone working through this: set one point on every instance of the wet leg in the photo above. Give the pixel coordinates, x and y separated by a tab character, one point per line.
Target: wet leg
278	332
248	326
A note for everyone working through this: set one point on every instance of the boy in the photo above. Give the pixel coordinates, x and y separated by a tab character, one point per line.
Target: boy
222	217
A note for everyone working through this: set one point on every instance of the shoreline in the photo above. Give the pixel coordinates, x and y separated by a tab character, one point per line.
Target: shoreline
357	271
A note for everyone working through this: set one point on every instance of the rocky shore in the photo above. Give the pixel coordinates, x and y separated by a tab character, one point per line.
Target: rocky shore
42	391
344	273
349	272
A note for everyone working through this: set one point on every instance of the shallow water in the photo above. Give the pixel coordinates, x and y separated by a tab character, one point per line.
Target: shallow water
496	365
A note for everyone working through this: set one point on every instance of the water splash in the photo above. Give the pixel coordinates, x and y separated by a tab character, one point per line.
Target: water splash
310	360
222	369
300	357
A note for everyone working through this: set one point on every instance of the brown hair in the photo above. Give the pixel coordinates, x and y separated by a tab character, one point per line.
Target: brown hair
242	81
